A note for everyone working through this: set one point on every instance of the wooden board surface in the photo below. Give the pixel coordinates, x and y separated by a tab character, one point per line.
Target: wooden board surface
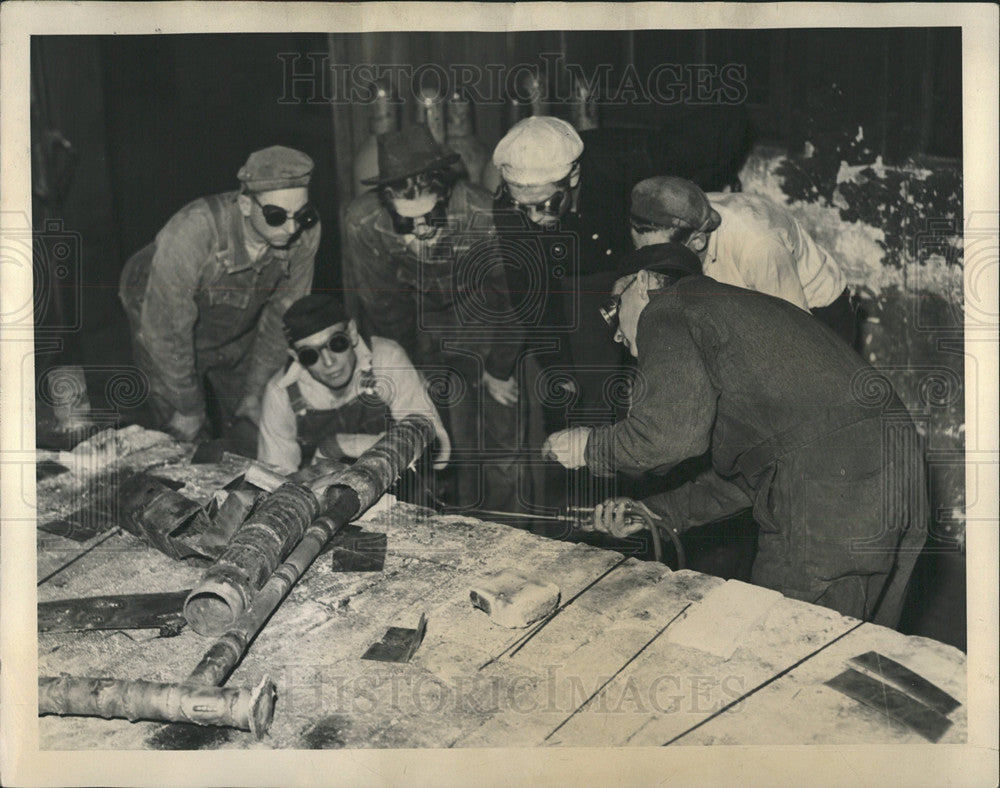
602	672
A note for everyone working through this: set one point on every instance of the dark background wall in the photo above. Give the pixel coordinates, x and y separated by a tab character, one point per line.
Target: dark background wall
157	121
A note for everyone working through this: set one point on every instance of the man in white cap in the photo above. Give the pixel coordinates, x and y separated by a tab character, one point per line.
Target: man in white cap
745	240
540	163
205	299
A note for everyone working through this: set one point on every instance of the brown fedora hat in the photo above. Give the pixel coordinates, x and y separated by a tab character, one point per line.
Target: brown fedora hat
410	151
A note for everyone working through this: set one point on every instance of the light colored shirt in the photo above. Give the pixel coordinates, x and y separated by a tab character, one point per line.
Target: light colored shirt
397	381
762	247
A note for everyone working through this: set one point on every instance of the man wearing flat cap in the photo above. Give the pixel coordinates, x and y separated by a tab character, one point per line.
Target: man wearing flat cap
543	170
747	241
337	394
422	268
835	480
205	299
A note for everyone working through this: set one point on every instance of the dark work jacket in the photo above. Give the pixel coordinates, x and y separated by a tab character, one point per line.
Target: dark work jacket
798	427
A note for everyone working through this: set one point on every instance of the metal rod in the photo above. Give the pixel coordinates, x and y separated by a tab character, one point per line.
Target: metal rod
200	699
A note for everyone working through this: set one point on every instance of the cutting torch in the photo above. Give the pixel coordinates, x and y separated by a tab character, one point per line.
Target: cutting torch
576	516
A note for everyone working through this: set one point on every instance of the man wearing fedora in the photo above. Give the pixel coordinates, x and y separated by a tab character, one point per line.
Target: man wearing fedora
747	241
205	299
422	268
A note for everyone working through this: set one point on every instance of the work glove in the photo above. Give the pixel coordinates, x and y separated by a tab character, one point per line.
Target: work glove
187	427
249	408
612	517
503	391
567	447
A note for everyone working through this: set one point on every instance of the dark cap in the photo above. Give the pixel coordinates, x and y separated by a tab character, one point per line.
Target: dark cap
408	152
312	314
673	202
672	259
276	167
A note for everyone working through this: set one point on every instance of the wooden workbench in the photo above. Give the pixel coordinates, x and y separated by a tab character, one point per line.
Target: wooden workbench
603	671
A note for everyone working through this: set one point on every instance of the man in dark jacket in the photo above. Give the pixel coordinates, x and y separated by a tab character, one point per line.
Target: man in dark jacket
422	268
835	479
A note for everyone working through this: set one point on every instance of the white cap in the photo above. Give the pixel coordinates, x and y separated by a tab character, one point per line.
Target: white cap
536	150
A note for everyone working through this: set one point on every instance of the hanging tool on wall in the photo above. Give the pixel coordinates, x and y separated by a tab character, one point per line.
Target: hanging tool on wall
578	516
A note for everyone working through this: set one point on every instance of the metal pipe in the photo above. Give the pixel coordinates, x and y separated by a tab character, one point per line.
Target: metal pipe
200	699
229	585
354	491
240	707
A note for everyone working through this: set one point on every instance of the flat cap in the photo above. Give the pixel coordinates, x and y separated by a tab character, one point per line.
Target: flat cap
312	314
536	150
673	202
276	167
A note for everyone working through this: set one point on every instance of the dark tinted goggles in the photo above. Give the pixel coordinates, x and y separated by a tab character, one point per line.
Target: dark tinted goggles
275	216
416	185
338	343
551	206
609	310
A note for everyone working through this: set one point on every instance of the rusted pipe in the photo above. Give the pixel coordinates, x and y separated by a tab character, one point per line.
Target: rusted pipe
229	585
200	699
354	491
243	708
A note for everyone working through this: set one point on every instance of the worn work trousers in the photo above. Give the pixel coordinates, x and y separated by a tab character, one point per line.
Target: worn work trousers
486	437
222	371
843	519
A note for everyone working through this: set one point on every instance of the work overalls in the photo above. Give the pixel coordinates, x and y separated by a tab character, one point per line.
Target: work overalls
230	297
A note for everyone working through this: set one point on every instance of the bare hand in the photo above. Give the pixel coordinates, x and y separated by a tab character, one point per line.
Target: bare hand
249	408
503	391
613	517
567	447
186	427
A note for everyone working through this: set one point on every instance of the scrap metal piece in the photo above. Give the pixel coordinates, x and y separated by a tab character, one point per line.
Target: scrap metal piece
398	644
913	684
121	611
162	517
355	550
892	703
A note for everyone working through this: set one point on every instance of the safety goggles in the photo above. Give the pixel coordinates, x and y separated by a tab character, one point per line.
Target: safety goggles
275	216
610	308
553	205
416	185
609	311
338	343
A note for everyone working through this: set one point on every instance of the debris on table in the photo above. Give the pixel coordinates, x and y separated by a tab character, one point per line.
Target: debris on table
514	601
913	684
355	550
108	446
398	644
121	611
896	705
